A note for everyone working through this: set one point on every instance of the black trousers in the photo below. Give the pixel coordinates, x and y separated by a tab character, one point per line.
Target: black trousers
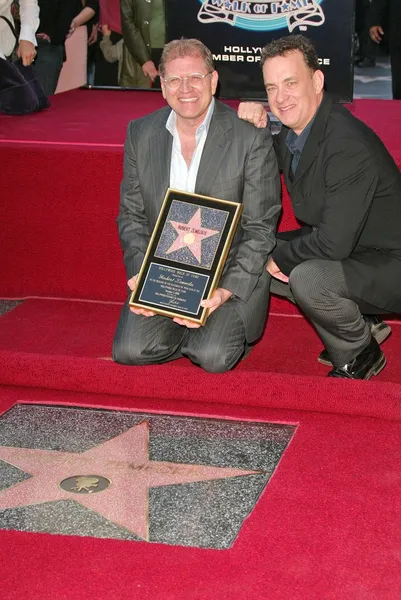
48	64
395	60
320	290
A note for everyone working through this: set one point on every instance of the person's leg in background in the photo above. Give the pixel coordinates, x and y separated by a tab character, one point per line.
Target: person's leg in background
395	59
48	64
156	56
365	55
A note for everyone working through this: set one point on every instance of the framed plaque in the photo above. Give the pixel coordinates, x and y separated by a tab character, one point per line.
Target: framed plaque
186	255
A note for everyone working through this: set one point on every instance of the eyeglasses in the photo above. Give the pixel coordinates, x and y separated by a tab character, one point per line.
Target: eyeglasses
195	80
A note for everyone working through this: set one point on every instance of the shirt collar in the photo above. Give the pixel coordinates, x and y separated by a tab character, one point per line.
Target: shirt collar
295	143
171	124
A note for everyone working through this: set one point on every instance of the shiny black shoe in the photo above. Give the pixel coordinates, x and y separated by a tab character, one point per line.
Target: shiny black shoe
378	328
368	362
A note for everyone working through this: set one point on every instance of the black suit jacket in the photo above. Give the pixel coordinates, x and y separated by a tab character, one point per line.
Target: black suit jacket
348	188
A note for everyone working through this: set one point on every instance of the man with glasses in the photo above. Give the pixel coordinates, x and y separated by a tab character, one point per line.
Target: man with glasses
199	145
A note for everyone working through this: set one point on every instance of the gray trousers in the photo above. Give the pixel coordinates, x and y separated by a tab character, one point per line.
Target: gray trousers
320	290
216	347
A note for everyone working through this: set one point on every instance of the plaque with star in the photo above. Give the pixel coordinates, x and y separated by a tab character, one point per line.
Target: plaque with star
186	255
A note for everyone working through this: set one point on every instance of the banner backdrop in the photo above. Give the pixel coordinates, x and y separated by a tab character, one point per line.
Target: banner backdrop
236	30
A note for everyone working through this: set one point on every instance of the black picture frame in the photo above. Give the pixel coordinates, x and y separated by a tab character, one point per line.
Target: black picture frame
186	255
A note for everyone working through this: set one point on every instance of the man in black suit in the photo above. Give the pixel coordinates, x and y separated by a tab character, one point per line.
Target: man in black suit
386	16
346	188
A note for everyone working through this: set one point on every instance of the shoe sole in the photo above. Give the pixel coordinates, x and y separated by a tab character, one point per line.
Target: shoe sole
380	332
379	366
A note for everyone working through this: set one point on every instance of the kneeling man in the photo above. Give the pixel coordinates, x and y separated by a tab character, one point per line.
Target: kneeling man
197	144
344	267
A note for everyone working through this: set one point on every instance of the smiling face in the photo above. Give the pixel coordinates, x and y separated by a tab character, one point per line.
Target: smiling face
188	102
294	91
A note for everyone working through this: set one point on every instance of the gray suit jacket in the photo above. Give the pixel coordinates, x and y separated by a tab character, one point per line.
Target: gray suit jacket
239	164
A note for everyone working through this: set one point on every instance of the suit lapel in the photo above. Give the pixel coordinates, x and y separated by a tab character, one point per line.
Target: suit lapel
160	146
287	169
215	149
314	140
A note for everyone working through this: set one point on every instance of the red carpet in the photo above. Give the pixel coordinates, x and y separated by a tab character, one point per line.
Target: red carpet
59	345
100	118
59	236
327	525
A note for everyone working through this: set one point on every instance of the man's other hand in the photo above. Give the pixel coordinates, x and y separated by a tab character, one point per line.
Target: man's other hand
150	70
186	323
27	52
219	297
93	36
253	112
74	24
376	33
138	311
275	272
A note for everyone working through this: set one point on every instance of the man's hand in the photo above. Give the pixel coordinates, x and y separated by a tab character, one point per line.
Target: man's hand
376	33
186	323
219	297
93	36
150	70
253	112
74	24
26	51
138	311
275	272
106	30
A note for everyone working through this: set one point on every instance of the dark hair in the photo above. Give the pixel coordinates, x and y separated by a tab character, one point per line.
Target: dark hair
290	43
182	48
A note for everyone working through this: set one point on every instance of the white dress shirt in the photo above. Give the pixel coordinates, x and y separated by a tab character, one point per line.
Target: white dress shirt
29	14
183	177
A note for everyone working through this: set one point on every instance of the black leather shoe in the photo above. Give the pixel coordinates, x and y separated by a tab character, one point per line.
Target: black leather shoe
369	362
378	328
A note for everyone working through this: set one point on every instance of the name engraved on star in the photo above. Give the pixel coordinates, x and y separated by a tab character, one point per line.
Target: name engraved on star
186	255
165	469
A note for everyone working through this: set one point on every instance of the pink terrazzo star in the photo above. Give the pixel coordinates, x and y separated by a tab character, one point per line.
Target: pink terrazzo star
124	460
191	235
